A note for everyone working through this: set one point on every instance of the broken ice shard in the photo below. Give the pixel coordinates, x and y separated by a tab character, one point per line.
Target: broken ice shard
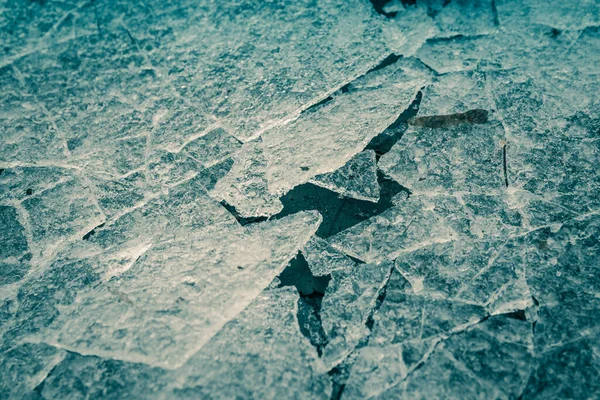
165	304
347	305
356	179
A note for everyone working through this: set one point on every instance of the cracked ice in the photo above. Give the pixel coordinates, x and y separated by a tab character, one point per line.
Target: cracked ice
306	200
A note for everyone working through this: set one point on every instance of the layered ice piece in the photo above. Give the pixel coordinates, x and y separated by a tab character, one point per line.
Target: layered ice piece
159	282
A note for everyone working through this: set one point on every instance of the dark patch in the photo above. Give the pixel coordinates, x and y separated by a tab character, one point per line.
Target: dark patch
309	321
69	60
378	7
433	12
338	212
520	315
386	62
91	233
346	88
304	168
471	117
298	274
242	220
505	166
175	70
554	33
74	143
29	192
1	171
240	267
337	387
535	301
148	73
311	289
384	142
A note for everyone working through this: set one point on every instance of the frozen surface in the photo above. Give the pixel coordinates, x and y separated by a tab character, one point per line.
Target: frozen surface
391	199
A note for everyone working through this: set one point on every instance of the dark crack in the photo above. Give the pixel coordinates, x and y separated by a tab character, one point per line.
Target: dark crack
91	233
242	220
454	38
495	13
384	142
380	299
339	213
386	62
471	117
504	166
341	372
319	104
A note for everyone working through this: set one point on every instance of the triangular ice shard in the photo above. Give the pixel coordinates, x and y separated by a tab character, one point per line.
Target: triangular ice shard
356	179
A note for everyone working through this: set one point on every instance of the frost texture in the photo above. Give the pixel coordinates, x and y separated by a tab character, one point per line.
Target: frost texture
393	199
